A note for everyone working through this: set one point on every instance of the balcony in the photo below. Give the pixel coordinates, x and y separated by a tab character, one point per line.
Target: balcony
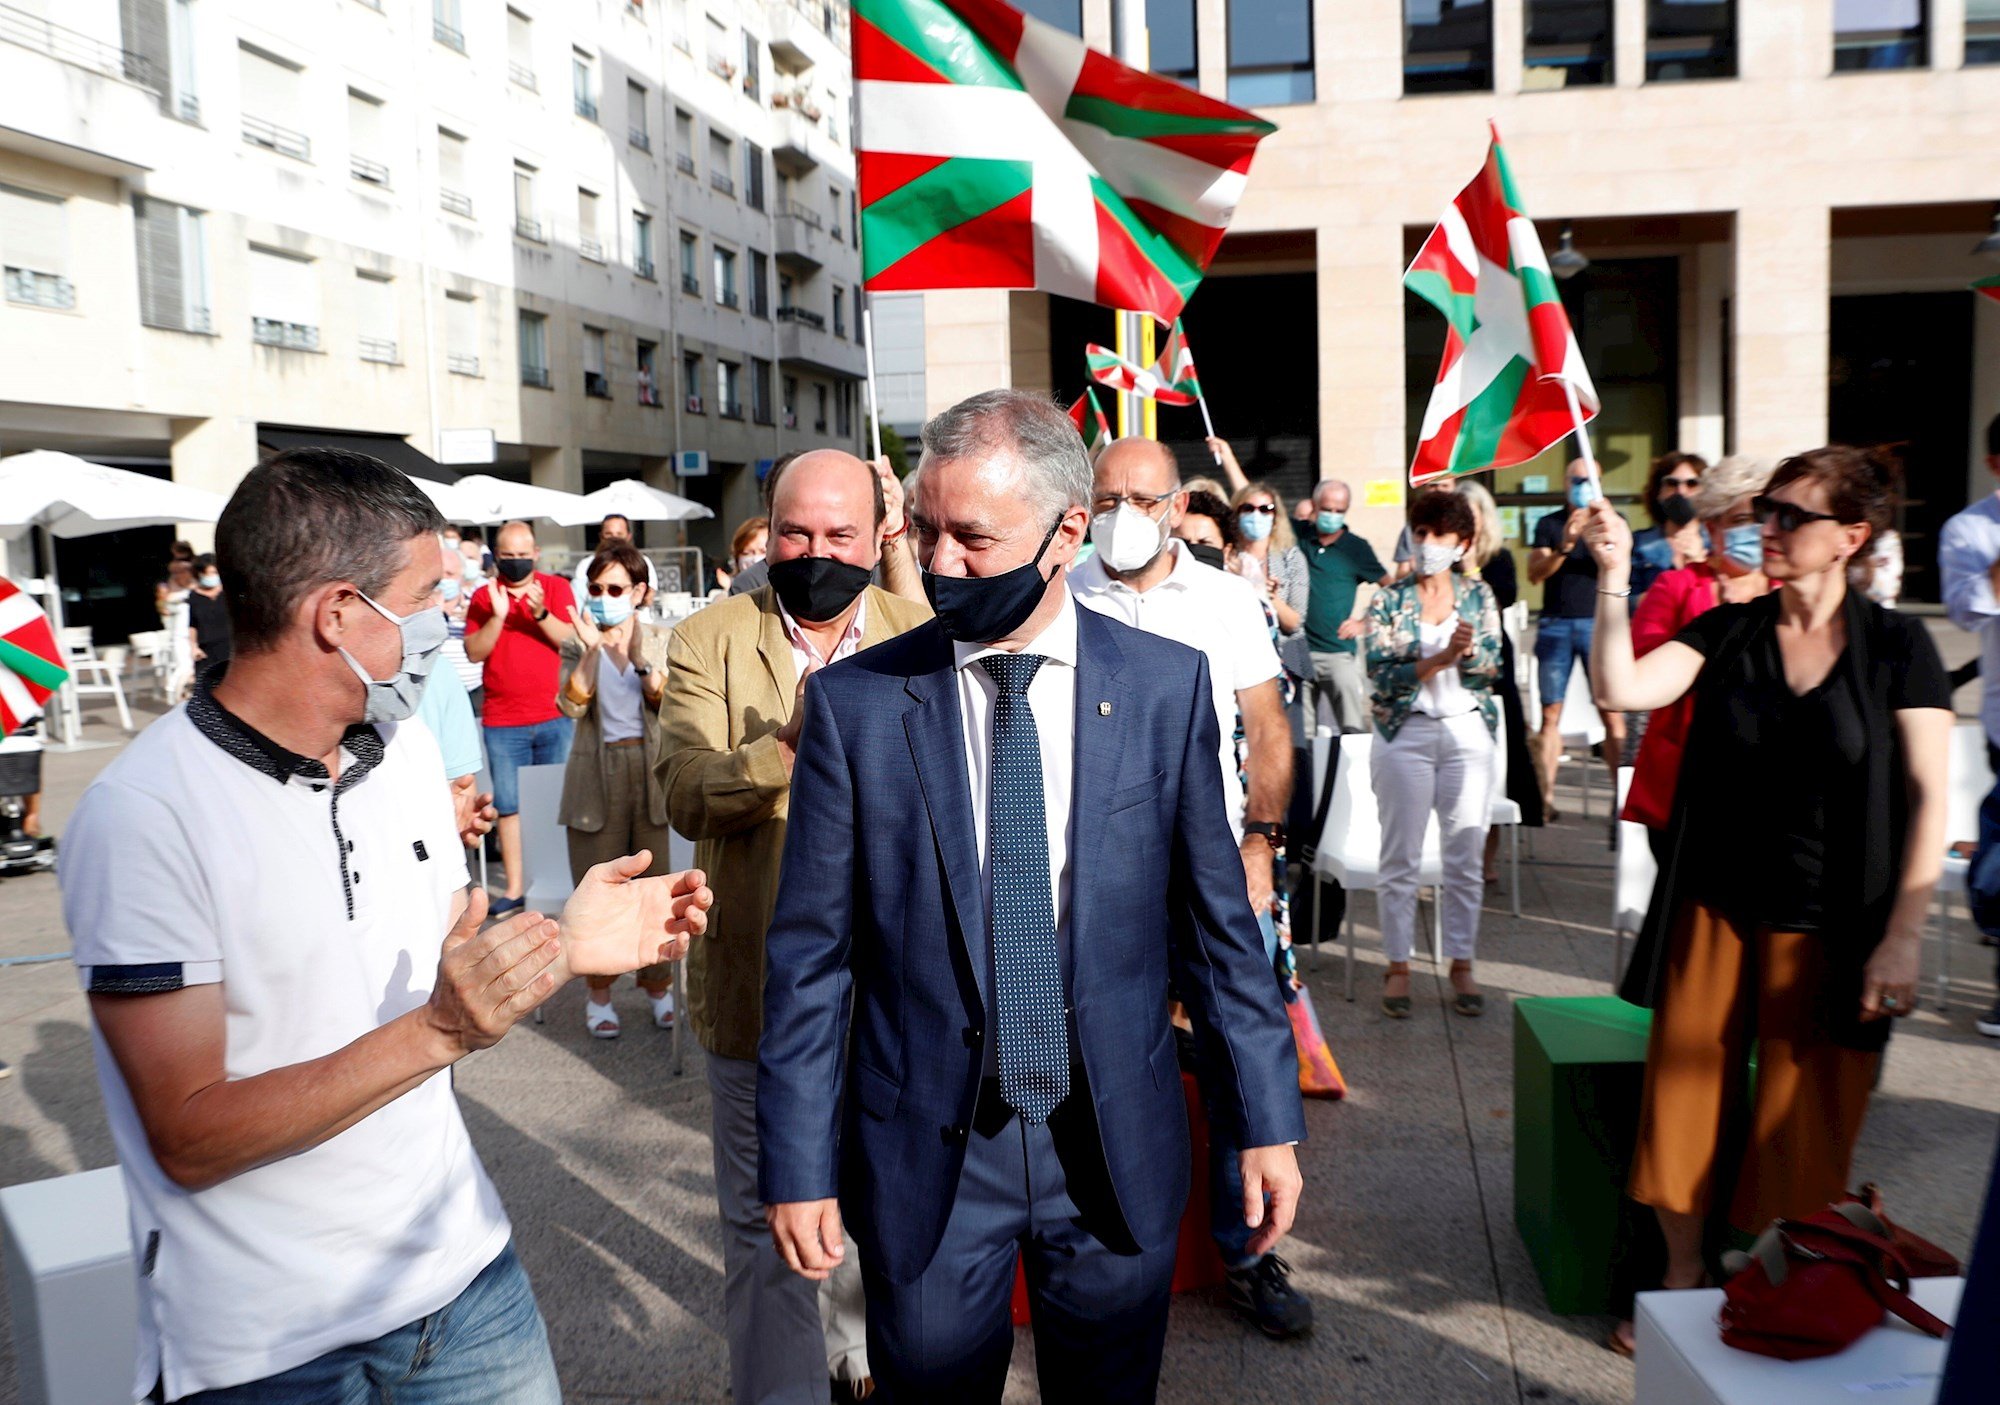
718	181
457	202
596	386
649	394
522	76
525	228
460	363
640	138
447	36
721	67
804	341
800	240
806	33
537	376
591	249
272	137
802	145
33	289
373	172
380	349
188	107
642	267
690	284
684	163
77	49
75	99
290	336
731	412
586	108
727	298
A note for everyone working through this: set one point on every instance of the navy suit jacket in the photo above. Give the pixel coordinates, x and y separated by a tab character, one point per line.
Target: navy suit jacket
880	933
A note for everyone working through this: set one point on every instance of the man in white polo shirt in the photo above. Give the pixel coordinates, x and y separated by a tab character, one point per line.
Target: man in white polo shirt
274	997
1139	574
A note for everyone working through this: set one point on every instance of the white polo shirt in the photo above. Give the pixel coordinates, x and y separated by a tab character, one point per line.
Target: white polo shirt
1205	609
208	853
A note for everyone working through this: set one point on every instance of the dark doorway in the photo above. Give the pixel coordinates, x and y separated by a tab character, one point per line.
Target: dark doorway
108	579
1899	378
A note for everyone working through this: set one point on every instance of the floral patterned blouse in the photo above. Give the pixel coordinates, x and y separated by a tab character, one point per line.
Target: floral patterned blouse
1395	624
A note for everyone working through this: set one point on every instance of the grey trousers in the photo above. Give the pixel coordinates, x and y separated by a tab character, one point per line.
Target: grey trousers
1342	683
787	1334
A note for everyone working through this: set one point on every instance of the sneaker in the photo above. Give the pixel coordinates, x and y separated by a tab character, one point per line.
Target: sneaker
502	907
1264	1297
1988	1024
600	1020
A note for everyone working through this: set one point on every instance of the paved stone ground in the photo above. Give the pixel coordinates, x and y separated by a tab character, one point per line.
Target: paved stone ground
1405	1240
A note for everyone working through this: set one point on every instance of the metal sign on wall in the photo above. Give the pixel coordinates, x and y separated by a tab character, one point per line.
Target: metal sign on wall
691	463
466	446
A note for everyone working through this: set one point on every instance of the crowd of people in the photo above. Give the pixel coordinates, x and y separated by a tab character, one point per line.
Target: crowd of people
962	911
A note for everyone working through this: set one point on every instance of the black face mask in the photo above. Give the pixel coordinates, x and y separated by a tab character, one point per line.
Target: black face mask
817	588
514	568
1204	553
1678	510
981	609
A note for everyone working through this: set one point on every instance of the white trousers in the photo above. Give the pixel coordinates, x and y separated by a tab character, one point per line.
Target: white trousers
1443	765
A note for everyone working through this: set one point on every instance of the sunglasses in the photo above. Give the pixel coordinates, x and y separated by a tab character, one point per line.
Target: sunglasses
1681	482
1789	516
1261	509
614	591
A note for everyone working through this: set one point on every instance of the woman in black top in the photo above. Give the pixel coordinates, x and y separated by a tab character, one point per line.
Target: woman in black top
1806	839
208	617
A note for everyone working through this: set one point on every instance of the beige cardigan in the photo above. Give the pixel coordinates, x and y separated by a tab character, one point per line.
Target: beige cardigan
583	798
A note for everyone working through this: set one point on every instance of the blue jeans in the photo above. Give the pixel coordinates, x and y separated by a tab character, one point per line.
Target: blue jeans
1560	643
1982	880
1225	1170
508	749
488	1346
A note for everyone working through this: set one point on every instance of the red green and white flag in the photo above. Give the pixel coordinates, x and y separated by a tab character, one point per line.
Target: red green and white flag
1170	380
997	151
1510	356
1988	287
1088	417
30	663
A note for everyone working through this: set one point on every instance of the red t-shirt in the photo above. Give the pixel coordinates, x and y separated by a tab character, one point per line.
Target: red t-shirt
524	667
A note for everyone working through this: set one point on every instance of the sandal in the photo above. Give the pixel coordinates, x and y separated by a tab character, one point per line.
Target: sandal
663	1010
1470	1004
600	1020
1396	1007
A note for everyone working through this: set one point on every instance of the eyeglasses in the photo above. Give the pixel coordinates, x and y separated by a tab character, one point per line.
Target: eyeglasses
1145	502
614	591
1262	509
1789	516
1680	482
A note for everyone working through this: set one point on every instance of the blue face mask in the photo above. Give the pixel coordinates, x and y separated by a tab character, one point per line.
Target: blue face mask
395	698
608	611
1582	492
449	587
1255	526
1330	522
1745	545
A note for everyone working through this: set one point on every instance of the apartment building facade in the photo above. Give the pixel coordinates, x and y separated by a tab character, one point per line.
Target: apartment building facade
607	232
1778	208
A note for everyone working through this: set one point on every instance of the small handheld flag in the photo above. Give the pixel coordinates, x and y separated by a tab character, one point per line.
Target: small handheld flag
1088	417
30	663
1988	287
1170	380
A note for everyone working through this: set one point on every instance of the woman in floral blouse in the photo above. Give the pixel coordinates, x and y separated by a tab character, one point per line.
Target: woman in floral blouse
1433	655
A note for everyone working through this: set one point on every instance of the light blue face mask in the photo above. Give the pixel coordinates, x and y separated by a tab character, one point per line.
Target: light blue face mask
610	612
1255	526
1330	522
449	587
393	699
1745	545
1582	492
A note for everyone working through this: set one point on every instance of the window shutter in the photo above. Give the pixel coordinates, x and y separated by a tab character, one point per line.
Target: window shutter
162	283
270	88
364	126
33	231
142	27
451	161
461	325
283	288
375	304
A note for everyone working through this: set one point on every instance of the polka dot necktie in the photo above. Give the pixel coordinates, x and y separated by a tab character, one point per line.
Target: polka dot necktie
1027	978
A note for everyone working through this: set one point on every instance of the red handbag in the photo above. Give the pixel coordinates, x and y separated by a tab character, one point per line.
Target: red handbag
1814	1287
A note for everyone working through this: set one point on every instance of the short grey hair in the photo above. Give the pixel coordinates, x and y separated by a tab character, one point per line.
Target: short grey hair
1325	483
1055	465
1736	477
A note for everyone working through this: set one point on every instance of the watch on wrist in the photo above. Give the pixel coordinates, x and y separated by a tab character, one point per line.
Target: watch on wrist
1274	833
542	616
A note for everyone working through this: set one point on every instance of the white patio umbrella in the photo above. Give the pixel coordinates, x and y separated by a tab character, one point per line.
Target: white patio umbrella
61	495
636	501
482	498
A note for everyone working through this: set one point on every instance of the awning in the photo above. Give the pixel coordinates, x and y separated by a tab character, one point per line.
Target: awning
392	449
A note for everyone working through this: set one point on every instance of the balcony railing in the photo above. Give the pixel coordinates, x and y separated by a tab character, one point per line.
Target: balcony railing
447	36
690	284
374	172
189	107
527	228
731	412
271	136
684	163
591	249
586	108
71	47
640	137
460	363
596	386
456	201
537	376
642	266
801	315
727	298
792	209
649	394
721	67
292	336
522	76
182	319
381	349
723	183
25	285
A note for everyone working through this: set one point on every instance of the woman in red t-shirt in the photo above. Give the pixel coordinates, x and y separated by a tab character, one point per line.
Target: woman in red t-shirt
1734	571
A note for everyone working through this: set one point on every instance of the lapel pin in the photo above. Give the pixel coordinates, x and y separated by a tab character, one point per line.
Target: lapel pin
1104	709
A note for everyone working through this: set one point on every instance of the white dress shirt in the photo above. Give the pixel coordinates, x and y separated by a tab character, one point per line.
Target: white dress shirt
1052	700
1967	549
806	653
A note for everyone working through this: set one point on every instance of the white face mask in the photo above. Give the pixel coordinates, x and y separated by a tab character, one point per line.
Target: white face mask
395	698
1128	539
1433	558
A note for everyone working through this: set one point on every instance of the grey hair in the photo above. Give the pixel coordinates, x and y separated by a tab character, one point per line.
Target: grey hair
1055	466
1326	483
307	517
1737	476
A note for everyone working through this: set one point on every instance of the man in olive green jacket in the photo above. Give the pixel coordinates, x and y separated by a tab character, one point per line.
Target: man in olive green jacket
729	729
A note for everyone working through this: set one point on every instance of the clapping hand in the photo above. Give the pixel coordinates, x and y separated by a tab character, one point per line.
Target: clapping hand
892	499
487	980
1461	641
587	632
617	920
536	600
472	810
1352	629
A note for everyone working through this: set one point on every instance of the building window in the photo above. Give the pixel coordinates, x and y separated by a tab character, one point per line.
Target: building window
839	311
639	130
1688	39
587	242
1171	46
1270	53
647	361
1447	46
1568	44
790	403
725	277
843	410
642	243
271	104
520	50
526	224
753	174
721	62
1873	34
720	163
760	285
833	199
583	84
760	390
447	25
451	173
535	349
729	390
690	264
366	144
595	383
1982	31
34	242
785	307
284	299
684	141
753	67
854	219
180	60
819	421
375	308
461	334
1063	14
173	261
691	382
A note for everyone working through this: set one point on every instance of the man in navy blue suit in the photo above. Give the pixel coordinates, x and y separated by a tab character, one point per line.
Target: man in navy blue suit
1007	835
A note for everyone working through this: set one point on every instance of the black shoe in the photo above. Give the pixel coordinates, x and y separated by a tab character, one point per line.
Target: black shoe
1988	1024
501	907
1263	1296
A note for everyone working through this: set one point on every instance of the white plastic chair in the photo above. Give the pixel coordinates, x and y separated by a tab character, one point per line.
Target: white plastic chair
1968	778
1632	888
1505	813
1350	847
1579	726
151	654
80	655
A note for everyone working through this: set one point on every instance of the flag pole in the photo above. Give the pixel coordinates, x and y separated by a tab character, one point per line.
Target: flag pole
1128	43
1583	435
868	350
1208	424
